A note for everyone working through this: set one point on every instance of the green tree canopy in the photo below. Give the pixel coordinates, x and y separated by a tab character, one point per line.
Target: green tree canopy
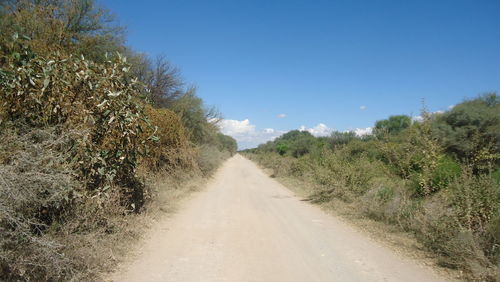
392	125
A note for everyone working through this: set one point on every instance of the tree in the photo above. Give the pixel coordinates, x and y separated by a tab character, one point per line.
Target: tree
341	138
471	130
392	125
296	143
198	120
74	26
162	80
227	143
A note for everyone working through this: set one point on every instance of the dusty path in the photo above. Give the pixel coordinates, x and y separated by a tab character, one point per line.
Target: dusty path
247	227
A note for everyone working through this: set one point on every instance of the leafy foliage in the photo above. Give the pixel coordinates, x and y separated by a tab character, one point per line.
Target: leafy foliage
392	125
227	143
470	131
83	131
78	27
98	99
199	121
168	143
437	178
293	143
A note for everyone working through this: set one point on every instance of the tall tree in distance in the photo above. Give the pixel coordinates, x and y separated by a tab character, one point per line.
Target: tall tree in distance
392	125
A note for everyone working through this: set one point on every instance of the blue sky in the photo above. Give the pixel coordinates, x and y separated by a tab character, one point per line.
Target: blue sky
324	64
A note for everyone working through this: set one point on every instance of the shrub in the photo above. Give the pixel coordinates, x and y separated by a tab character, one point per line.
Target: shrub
340	138
496	175
470	127
295	143
37	188
476	200
281	148
72	133
98	99
437	178
445	172
194	117
169	146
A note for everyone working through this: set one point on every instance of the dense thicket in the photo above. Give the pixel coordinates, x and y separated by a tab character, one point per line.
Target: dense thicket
84	121
438	178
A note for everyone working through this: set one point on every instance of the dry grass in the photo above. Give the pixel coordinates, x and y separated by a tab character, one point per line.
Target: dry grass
50	229
457	227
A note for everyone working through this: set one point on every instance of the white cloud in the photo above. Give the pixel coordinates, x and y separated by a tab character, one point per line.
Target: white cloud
236	127
451	107
418	118
282	115
363	107
246	134
363	131
319	130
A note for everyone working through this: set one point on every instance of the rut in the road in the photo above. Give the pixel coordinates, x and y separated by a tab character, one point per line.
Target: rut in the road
246	226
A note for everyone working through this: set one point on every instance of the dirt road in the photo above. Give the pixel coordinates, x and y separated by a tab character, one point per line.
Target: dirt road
246	226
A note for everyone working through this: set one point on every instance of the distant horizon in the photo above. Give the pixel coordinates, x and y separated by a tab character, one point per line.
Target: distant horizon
275	66
322	130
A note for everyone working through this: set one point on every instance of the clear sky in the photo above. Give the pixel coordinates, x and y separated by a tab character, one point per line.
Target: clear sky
272	66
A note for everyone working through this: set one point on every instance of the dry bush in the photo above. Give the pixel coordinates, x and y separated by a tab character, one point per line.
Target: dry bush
37	188
35	21
74	26
51	228
458	225
169	149
100	100
459	222
476	202
72	133
70	140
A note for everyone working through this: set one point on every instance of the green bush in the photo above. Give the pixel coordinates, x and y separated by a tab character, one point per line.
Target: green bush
392	125
294	143
496	175
470	127
445	172
281	148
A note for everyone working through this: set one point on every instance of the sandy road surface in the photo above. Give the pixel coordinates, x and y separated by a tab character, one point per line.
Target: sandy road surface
246	226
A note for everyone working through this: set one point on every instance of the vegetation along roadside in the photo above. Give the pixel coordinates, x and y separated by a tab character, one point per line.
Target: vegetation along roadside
92	136
437	177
